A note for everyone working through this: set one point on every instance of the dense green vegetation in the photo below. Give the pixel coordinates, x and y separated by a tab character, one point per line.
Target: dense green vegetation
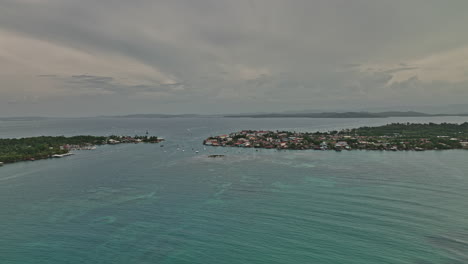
408	136
20	149
414	130
422	136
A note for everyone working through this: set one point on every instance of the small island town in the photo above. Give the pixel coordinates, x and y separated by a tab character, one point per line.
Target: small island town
392	137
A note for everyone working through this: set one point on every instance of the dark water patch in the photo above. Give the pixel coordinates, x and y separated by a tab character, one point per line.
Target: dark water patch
454	244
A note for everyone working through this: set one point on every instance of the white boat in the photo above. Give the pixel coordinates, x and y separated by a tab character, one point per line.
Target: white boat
61	155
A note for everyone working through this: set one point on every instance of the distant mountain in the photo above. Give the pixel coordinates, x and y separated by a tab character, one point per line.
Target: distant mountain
156	116
288	114
448	109
299	114
343	115
311	115
452	109
23	118
402	114
429	109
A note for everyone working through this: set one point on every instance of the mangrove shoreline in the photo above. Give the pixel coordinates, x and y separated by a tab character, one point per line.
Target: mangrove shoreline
35	148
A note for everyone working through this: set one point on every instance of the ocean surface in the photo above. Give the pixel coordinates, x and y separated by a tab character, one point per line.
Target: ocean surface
143	203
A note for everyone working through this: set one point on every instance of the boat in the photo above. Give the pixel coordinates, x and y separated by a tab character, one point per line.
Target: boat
61	155
216	156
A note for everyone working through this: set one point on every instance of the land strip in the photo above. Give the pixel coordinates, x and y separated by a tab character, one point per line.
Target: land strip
393	137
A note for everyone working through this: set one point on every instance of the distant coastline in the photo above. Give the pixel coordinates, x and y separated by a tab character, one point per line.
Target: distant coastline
297	115
342	115
349	114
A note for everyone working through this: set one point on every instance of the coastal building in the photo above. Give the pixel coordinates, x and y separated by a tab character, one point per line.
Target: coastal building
323	145
262	133
341	144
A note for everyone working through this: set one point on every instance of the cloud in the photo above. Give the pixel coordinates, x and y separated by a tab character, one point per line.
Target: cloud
400	69
255	53
92	84
46	75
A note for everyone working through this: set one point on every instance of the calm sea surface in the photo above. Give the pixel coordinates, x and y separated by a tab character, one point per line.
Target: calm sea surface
150	204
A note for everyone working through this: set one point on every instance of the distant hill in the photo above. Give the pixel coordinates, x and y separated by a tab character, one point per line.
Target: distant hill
402	114
22	118
311	115
156	116
298	114
290	114
342	115
429	109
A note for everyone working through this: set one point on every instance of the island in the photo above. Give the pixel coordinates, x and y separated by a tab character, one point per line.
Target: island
43	147
391	137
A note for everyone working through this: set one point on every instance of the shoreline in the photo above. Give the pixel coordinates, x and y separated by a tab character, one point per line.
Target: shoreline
41	148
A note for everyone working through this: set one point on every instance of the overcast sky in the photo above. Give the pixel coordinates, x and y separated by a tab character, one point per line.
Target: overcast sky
101	57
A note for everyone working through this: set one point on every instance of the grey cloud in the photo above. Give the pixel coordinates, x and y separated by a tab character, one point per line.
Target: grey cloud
23	100
91	80
351	65
112	85
261	80
400	69
47	75
311	49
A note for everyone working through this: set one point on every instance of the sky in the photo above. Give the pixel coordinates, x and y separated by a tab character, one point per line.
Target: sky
114	57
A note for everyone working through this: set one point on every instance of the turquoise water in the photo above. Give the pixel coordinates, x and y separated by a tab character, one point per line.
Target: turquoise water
151	204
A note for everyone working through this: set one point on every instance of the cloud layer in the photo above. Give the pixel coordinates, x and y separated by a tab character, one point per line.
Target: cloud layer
210	56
